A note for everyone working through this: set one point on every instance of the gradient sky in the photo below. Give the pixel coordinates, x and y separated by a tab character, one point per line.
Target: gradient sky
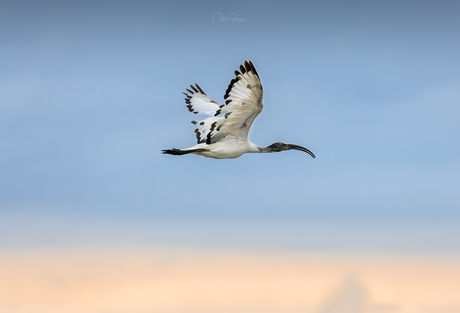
90	92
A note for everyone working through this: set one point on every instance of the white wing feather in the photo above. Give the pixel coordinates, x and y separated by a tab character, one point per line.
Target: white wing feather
243	104
243	101
199	102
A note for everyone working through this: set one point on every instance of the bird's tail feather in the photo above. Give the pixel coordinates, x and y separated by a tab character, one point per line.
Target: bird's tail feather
175	151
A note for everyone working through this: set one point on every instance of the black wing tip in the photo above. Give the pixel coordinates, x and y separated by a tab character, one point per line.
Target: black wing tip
247	66
195	89
199	88
250	67
189	96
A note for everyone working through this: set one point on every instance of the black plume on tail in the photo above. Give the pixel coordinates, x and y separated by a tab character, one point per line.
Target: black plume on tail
175	151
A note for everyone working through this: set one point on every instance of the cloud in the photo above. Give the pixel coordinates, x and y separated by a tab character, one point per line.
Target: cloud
351	297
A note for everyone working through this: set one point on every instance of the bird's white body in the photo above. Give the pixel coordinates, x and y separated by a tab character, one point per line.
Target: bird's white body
224	133
229	148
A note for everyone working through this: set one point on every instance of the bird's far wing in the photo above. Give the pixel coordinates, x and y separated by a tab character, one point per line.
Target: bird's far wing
243	104
199	102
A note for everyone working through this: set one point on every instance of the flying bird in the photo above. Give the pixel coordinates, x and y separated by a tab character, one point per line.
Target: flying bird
224	133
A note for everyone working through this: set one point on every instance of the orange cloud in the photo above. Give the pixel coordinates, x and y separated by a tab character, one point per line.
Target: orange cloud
174	281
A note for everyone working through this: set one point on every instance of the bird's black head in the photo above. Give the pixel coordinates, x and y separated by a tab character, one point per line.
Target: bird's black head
277	147
281	146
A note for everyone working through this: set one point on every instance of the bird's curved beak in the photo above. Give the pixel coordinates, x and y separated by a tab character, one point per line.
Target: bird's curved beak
300	148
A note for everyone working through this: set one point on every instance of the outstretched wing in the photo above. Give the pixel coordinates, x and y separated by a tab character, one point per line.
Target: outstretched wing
234	118
243	101
199	102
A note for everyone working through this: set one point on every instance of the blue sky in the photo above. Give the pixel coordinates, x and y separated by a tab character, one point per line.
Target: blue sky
90	92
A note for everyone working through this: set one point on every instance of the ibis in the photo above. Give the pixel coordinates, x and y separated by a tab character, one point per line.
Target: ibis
223	134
